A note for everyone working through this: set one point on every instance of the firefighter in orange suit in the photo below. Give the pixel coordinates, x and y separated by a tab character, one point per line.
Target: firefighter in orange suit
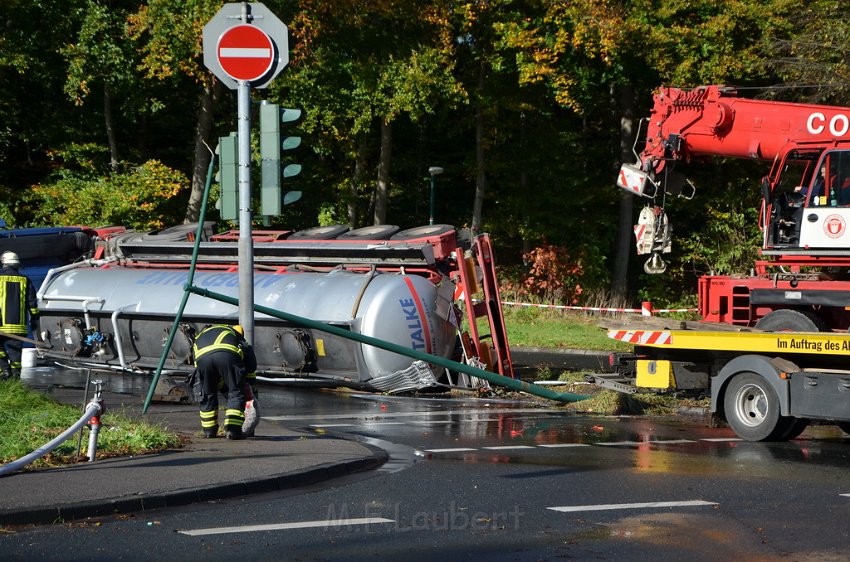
18	312
223	361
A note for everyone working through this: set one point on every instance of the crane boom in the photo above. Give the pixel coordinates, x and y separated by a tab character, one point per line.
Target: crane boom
714	121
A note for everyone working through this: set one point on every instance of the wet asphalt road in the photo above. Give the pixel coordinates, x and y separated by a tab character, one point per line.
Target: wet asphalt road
477	479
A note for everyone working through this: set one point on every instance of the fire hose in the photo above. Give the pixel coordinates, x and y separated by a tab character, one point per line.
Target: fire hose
93	411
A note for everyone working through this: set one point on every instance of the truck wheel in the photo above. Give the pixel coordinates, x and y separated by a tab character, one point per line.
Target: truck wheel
319	233
793	428
752	408
422	232
788	320
379	232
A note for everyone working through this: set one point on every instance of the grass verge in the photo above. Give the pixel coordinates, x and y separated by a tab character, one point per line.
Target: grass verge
29	419
533	327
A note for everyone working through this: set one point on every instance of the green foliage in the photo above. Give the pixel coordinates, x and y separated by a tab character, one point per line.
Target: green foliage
812	55
697	42
101	53
141	198
29	419
727	244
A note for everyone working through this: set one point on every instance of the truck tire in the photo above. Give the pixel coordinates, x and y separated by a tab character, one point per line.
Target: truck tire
379	232
319	232
789	320
752	409
793	428
422	232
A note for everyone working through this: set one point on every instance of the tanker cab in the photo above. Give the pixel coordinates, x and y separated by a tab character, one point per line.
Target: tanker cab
826	215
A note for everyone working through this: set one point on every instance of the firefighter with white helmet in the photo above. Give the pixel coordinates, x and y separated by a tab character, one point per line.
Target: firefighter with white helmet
223	362
18	313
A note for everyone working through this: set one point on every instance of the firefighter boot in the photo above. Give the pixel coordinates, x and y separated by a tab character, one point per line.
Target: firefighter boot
209	423
234	433
233	421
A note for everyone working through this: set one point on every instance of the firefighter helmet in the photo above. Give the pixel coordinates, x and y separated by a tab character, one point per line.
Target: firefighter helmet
10	259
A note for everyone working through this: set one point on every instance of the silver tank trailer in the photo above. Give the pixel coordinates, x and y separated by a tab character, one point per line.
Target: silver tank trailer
131	311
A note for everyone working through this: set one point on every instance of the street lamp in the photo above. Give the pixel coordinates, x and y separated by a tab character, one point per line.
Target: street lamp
434	171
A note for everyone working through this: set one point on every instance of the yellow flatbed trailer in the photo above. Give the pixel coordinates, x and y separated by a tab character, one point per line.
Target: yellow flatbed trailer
753	342
767	385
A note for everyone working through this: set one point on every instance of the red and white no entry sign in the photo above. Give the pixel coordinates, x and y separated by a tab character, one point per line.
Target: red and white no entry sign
245	52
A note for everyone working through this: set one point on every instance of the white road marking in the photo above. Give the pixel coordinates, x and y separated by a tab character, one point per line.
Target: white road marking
615	506
332	425
555	445
845	495
508	447
455	450
658	442
722	439
284	526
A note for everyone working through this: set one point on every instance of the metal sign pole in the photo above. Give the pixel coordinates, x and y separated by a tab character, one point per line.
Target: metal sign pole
247	54
246	242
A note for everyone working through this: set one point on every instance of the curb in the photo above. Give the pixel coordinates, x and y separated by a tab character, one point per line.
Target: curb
187	496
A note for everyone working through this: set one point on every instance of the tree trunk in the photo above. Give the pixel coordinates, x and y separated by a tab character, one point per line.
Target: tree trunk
203	130
480	176
110	128
382	188
359	168
619	288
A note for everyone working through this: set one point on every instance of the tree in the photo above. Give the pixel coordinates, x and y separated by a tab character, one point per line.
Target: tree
573	47
102	54
35	114
362	67
169	33
813	61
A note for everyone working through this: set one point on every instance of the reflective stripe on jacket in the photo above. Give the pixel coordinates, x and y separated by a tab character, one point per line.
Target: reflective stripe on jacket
17	300
217	338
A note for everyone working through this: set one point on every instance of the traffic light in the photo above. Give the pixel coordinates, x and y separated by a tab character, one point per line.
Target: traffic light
228	176
273	120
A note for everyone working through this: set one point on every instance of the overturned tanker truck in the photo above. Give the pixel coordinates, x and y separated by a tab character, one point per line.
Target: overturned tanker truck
423	288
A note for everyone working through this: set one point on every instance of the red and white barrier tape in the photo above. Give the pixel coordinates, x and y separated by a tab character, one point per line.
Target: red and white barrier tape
644	310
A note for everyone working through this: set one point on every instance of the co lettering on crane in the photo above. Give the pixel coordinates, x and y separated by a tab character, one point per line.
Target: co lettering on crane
838	124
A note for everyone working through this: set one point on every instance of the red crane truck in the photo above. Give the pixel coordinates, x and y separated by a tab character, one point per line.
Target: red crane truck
767	386
800	282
